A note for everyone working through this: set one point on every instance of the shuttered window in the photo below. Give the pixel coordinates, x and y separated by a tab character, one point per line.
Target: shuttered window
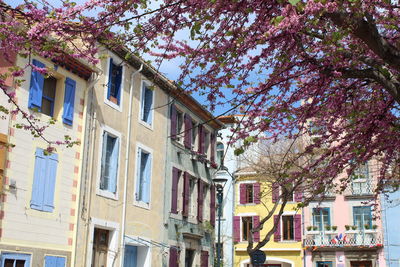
109	163
249	193
200	200
15	259
147	104
173	257
114	82
44	181
174	192
288	228
54	261
143	176
186	194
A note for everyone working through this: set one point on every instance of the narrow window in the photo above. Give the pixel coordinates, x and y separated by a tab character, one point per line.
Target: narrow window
109	163
194	132
114	82
179	126
249	193
147	104
49	95
321	218
247	225
143	176
288	227
362	217
220	153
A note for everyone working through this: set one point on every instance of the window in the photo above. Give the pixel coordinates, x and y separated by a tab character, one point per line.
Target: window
147	104
362	216
247	225
176	173
54	261
360	180
321	218
220	153
189	257
109	163
42	94
288	227
249	193
179	126
44	181
192	197
114	82
15	260
206	143
194	134
286	189
324	264
143	178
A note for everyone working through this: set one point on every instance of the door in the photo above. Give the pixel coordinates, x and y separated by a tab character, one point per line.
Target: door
324	264
361	263
100	247
189	255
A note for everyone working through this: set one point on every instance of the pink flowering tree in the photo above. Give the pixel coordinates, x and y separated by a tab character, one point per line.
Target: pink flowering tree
329	67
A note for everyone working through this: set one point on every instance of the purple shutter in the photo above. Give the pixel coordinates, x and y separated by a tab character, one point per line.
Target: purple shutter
242	198
236	228
256	193
212	137
174	195
275	192
186	192
173	257
201	139
188	131
204	258
297	227
200	200
277	234
298	195
173	122
256	222
212	205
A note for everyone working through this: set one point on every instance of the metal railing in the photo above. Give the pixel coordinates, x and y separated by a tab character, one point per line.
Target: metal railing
348	239
359	189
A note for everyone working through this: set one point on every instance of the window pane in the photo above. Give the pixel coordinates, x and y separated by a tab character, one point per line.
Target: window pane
9	263
20	263
49	87
47	106
288	227
247	225
249	193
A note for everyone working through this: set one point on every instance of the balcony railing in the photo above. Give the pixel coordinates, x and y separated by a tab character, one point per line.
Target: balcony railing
359	189
348	239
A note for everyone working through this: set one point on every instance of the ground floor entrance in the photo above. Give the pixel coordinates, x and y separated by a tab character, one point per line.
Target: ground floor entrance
361	263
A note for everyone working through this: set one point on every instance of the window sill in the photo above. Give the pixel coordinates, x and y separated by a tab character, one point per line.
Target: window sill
288	241
248	204
107	194
142	205
145	124
113	105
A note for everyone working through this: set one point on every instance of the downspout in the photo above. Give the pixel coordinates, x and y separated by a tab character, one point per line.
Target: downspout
85	159
128	138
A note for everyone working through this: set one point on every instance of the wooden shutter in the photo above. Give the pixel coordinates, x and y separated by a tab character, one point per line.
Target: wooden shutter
39	178
3	155
212	142
54	261
297	227
130	256
113	167
236	228
277	234
69	100
173	122
188	131
275	192
204	258
50	182
186	192
174	195
173	257
256	193
138	175
242	194
298	195
200	200
201	139
147	179
147	102
118	82
36	86
110	74
212	205
256	222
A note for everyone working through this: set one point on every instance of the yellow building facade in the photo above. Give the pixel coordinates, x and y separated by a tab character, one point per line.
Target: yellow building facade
254	198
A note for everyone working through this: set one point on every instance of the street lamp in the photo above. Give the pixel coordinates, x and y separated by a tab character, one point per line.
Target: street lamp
219	186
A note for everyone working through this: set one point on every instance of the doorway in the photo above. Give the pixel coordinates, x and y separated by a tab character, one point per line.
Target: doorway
189	256
361	263
100	247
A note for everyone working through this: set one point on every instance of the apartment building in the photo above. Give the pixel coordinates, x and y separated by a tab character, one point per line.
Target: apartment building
345	230
189	201
40	189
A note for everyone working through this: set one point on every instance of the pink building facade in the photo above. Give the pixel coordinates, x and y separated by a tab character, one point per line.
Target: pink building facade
345	230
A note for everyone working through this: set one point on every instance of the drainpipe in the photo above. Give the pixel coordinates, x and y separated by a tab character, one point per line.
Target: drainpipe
128	138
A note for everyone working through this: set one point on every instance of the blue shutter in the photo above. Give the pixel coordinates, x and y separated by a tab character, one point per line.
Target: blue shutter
149	104
118	80
54	261
26	258
110	71
103	186
147	178
114	167
36	87
130	257
39	179
143	178
50	182
138	178
69	99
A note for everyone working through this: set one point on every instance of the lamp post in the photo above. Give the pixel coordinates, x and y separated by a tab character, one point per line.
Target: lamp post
219	186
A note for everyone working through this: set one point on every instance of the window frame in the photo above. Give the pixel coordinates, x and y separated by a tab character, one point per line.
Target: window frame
370	215
249	187
144	84
195	134
117	61
5	255
149	151
101	192
180	126
322	221
218	150
283	228
242	232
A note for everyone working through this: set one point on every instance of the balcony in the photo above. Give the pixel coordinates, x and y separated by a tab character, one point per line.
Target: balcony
352	239
359	189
